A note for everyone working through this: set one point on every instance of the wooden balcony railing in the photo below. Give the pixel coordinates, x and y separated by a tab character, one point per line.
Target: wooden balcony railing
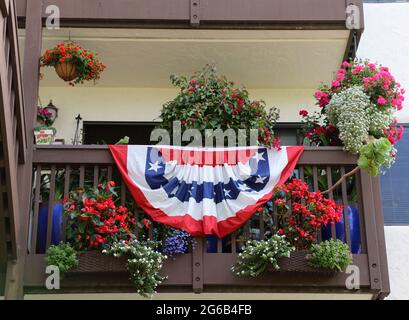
207	267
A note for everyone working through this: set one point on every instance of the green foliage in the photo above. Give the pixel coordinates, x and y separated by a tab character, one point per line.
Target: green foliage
124	140
209	101
376	154
332	254
257	255
63	256
144	264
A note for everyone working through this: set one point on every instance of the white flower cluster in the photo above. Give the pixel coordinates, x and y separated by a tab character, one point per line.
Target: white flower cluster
347	111
379	119
352	112
257	254
144	264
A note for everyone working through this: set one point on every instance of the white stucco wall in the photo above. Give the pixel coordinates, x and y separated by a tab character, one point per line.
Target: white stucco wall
386	40
144	104
397	243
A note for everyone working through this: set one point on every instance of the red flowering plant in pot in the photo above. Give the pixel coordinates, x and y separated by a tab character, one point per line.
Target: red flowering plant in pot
207	100
301	214
95	221
73	63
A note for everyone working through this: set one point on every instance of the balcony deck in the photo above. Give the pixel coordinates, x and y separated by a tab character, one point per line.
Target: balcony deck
204	270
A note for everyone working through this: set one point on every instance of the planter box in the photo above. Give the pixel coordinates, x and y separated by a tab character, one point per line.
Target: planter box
44	136
95	262
297	262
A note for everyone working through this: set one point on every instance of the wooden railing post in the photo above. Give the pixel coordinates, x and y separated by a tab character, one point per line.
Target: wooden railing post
371	230
197	261
385	286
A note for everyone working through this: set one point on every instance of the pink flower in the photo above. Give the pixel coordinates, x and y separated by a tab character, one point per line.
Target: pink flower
358	69
372	66
401	129
320	94
340	76
335	83
381	100
346	64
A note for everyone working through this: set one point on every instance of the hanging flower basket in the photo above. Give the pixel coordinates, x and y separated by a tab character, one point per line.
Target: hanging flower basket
66	70
73	63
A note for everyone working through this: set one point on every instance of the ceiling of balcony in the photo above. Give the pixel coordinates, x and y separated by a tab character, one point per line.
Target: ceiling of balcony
254	58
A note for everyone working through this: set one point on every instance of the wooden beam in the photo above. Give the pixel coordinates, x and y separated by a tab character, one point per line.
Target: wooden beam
99	154
246	13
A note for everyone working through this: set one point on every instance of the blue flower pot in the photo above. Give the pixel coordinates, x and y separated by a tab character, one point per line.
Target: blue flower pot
211	244
56	230
355	234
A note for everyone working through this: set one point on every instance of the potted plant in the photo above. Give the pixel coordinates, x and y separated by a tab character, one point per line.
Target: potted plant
207	100
103	236
73	63
301	213
357	112
44	133
332	255
293	231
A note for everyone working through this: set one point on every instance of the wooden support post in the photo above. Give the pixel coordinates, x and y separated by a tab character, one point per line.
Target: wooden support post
385	286
197	262
371	232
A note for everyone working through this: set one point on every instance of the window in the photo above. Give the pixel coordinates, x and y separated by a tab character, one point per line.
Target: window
104	132
395	186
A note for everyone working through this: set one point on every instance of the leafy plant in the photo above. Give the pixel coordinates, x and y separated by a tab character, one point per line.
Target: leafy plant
257	255
302	214
87	63
44	117
376	154
209	101
143	262
63	255
94	220
330	254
